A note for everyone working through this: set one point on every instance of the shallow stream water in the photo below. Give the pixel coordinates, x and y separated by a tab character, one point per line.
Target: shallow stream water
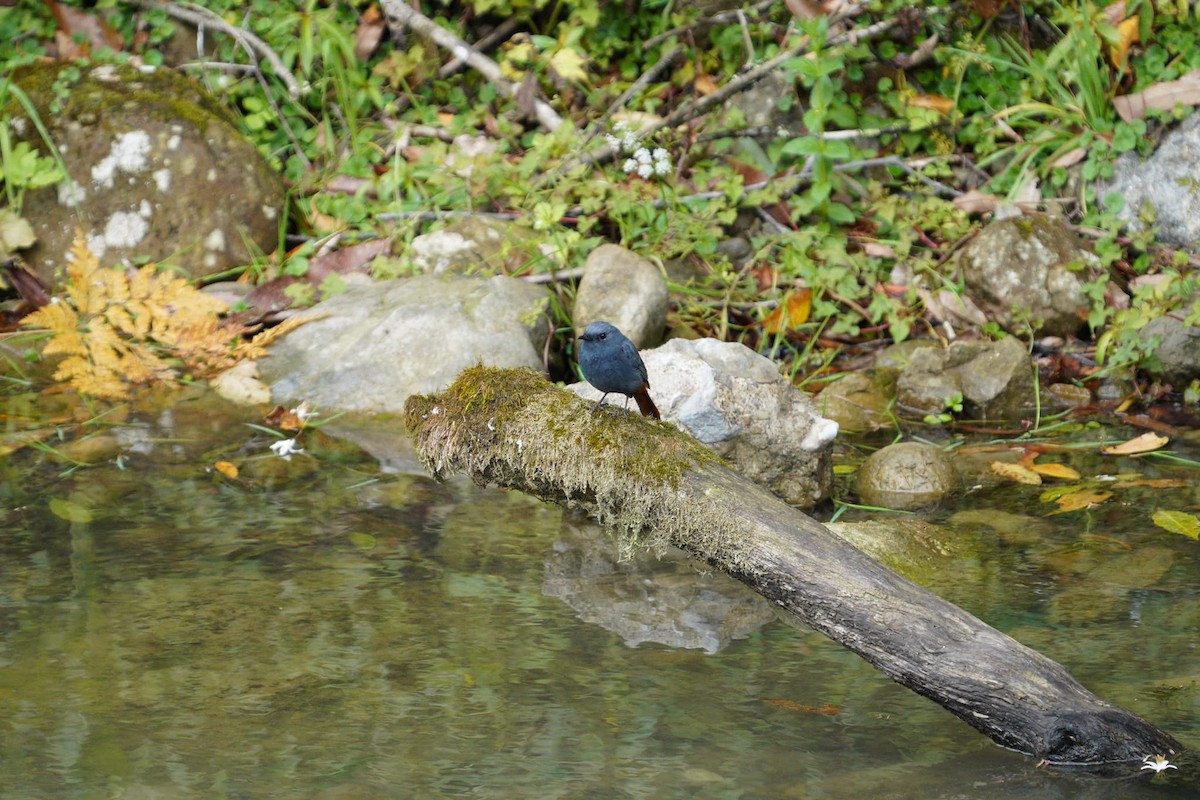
322	628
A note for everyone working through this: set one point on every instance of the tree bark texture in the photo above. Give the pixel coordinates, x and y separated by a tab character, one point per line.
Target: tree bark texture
657	485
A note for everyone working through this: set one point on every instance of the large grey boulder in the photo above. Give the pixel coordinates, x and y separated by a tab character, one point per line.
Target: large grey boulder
736	403
158	170
373	346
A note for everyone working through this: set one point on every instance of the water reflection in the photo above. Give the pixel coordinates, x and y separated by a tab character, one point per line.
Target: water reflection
319	628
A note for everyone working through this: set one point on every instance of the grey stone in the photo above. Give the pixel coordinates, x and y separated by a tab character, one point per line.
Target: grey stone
377	345
1028	274
473	245
1166	183
1178	350
157	169
621	287
735	402
906	475
860	401
994	379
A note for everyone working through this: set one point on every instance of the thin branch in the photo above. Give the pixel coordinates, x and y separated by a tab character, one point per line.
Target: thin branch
715	19
502	32
255	47
398	13
646	77
748	79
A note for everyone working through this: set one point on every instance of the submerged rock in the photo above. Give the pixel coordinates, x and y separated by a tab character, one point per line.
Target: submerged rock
906	475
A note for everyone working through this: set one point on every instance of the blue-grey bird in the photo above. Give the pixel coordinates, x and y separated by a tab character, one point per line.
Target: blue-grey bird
611	363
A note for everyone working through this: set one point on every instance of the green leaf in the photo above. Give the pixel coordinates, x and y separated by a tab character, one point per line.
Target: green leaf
363	541
1178	522
70	510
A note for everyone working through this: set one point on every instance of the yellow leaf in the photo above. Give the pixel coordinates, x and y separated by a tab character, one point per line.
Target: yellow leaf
1145	443
1061	471
1178	522
226	468
791	313
1119	53
1076	501
1015	472
568	64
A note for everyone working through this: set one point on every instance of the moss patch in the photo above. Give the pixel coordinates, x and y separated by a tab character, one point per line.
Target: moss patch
515	428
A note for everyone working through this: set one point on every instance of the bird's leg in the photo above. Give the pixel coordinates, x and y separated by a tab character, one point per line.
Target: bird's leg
599	402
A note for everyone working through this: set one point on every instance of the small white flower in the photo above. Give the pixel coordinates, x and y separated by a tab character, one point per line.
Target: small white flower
642	155
630	165
645	170
304	411
661	154
630	141
662	167
1157	763
284	448
612	141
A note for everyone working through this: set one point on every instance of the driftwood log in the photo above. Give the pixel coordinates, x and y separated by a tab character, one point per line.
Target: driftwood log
657	485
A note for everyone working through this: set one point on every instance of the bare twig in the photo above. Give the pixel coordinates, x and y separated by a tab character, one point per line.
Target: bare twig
399	13
646	77
255	47
715	19
502	32
747	79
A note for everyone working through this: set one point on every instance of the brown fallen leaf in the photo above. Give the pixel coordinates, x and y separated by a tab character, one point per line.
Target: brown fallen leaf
1145	443
1017	473
828	709
1076	501
977	202
1061	471
791	313
1183	91
934	102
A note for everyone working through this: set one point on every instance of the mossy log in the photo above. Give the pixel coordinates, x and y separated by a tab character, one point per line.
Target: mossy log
656	484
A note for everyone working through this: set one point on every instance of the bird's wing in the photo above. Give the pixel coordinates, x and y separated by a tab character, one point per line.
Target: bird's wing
632	354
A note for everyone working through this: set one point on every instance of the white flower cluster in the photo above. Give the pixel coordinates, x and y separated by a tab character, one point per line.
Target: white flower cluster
643	161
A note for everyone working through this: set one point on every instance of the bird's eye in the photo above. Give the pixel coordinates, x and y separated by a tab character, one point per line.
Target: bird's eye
603	336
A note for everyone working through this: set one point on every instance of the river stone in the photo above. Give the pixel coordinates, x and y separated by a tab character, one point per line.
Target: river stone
158	171
371	347
906	475
736	403
1027	274
473	245
994	379
860	401
1164	183
1177	352
621	287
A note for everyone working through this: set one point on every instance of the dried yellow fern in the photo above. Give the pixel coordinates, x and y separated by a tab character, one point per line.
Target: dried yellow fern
116	328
